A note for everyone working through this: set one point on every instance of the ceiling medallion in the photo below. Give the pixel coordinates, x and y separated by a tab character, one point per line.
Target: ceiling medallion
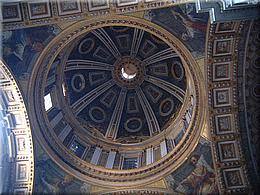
128	72
116	99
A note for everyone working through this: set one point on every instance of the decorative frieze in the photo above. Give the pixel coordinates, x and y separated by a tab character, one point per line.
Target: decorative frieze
42	12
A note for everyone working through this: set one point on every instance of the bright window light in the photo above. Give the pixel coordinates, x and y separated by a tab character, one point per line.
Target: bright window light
127	76
47	102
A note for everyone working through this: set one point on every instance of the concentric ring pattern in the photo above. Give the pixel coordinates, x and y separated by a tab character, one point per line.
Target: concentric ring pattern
117	94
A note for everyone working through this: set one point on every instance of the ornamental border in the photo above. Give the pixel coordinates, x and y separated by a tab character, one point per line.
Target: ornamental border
54	17
235	163
23	131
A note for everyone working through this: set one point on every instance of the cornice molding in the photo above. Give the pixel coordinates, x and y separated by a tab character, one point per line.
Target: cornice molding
225	10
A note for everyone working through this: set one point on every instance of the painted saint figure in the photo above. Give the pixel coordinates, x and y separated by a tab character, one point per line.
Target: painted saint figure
202	178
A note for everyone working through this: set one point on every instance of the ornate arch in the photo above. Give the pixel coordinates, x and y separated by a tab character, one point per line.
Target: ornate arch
17	154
